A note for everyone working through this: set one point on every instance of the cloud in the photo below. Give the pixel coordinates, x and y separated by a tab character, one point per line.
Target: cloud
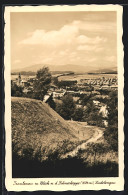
77	42
66	44
92	26
88	48
67	35
53	38
82	39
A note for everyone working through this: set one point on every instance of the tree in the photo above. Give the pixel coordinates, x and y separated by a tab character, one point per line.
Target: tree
51	102
16	90
85	99
67	108
111	133
92	116
78	114
42	83
113	109
55	80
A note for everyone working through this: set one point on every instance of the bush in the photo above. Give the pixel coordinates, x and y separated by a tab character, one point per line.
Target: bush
66	108
78	114
53	166
16	91
111	135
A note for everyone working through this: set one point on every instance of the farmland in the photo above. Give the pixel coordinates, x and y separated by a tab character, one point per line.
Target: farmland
78	77
75	76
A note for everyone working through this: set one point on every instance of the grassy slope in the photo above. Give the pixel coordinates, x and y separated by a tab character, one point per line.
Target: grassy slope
36	127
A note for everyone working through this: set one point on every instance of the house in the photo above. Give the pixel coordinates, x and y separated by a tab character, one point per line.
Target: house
53	88
105	87
58	94
105	123
79	106
25	90
96	102
47	97
114	87
76	98
24	83
104	110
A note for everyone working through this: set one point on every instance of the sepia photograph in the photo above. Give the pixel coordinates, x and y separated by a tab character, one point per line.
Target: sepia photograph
64	94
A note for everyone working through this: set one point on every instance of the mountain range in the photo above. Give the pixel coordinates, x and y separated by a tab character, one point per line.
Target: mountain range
68	67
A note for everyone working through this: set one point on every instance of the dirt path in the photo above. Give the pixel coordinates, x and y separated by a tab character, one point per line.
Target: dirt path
98	134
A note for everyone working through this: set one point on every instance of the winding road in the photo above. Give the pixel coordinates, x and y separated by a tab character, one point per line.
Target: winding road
98	134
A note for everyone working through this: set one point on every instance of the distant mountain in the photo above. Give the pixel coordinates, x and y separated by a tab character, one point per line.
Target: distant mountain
32	68
104	71
69	67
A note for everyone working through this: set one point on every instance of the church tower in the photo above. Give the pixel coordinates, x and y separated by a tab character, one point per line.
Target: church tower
19	79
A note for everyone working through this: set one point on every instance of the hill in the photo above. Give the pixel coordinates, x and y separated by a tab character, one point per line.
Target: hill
62	68
66	68
113	70
36	128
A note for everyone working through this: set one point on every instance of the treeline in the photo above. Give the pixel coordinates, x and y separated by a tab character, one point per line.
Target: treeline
30	73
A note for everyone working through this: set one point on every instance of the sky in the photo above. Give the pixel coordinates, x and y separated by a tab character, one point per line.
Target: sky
61	38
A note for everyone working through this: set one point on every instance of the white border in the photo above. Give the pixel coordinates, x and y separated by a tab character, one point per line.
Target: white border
119	181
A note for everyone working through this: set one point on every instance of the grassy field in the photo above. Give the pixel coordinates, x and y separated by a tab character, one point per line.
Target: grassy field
81	130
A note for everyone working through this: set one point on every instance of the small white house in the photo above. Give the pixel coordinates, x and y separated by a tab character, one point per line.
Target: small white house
104	111
96	102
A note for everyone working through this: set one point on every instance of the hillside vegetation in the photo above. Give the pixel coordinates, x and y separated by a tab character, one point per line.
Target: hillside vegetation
36	128
41	138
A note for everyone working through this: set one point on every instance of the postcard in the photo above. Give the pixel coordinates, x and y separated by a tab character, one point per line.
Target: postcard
64	98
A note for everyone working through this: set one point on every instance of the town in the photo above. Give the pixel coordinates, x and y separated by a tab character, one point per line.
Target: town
96	88
73	87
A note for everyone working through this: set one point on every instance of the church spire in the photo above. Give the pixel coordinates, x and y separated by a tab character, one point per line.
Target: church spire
19	79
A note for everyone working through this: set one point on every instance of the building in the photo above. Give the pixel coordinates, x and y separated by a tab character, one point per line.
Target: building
105	87
19	80
68	82
58	94
25	90
104	111
96	102
47	97
115	87
53	88
24	83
